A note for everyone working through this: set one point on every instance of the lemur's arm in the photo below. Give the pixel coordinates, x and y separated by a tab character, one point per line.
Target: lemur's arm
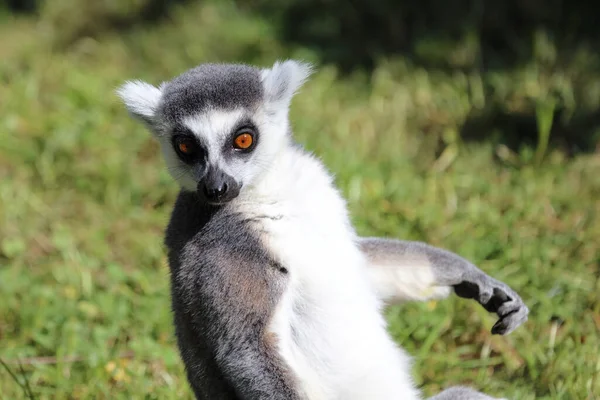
230	301
404	270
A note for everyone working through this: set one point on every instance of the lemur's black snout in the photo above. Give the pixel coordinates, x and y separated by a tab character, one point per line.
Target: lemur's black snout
217	187
215	192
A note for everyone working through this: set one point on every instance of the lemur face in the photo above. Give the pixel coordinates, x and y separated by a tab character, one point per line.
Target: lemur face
217	152
220	126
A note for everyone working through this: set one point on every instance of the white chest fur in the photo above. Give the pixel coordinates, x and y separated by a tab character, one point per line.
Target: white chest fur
330	329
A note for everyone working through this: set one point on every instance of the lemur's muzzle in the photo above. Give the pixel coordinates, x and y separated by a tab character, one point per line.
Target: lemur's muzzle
217	187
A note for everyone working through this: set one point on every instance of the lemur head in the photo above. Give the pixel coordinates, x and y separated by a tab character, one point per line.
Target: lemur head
219	125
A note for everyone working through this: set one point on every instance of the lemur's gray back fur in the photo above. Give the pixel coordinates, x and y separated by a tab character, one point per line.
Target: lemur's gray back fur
221	86
218	310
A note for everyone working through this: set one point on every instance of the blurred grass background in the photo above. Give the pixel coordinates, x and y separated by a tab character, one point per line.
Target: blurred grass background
470	125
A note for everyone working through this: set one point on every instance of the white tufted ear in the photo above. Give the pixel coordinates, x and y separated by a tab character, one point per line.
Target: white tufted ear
283	80
141	99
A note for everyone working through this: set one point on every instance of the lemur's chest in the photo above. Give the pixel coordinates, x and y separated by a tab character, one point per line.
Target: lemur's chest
311	235
328	297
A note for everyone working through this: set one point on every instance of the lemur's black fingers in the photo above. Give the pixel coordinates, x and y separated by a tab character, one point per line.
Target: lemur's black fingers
480	289
512	314
509	323
510	307
486	290
497	298
473	290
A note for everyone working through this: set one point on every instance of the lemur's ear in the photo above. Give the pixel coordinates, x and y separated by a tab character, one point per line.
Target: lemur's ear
141	99
283	80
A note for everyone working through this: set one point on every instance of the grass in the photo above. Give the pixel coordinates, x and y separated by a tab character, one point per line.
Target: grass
84	199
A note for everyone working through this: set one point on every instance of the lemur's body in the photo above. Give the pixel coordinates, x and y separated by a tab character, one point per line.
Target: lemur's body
314	311
274	295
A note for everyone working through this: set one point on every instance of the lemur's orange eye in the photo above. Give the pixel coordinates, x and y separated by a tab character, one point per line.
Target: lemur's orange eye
243	141
184	148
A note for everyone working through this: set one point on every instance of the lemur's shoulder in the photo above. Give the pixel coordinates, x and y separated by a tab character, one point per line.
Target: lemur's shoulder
217	237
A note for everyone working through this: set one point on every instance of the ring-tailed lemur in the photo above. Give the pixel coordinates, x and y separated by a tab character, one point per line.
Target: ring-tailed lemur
274	294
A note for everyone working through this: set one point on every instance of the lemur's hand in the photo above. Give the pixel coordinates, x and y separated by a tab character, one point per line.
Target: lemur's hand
496	297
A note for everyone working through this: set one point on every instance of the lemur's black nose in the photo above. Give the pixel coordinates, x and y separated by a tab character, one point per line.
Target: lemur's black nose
217	187
215	192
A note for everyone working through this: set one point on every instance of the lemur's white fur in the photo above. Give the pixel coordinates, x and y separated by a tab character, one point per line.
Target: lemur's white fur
281	83
329	296
329	323
141	98
412	280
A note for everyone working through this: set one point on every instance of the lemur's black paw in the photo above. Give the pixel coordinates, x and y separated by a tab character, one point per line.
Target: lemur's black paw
512	313
495	297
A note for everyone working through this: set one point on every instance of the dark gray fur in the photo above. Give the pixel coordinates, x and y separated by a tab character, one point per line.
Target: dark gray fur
224	290
222	86
452	270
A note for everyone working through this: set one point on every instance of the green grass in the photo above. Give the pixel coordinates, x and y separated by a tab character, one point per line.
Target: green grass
84	199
